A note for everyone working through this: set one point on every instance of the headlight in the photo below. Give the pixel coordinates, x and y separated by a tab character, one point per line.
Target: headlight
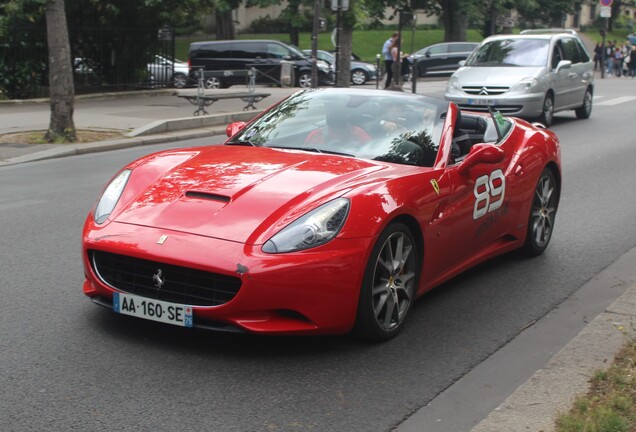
311	230
526	85
453	84
111	195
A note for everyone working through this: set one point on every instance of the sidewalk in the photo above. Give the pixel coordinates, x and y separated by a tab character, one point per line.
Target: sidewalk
532	407
146	117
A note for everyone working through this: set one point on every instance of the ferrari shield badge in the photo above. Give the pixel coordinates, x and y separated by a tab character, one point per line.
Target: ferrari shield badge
435	186
162	239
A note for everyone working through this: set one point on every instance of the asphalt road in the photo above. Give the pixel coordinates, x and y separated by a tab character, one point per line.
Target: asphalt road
66	364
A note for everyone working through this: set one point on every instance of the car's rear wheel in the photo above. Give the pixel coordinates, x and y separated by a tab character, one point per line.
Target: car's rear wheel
358	76
213	83
547	111
545	202
389	285
585	110
180	80
304	80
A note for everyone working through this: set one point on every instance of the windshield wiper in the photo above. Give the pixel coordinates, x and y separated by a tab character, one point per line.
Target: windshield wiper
242	143
313	150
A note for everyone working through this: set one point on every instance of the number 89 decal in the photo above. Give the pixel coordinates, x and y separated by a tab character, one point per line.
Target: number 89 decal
489	193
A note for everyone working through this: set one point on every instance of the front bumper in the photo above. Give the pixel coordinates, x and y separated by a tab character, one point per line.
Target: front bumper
310	292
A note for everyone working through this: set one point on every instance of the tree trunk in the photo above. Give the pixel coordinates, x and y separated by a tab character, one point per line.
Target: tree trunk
455	21
62	91
225	29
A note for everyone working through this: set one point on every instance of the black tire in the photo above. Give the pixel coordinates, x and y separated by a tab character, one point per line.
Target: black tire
213	83
389	285
359	77
304	79
585	110
547	110
180	80
545	201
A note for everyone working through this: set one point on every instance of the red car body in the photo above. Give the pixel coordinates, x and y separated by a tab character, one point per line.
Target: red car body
210	210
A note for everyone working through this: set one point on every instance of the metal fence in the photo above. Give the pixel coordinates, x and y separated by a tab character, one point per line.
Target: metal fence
104	60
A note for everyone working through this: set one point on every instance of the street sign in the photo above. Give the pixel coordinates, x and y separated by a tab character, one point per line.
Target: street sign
344	5
606	11
606	2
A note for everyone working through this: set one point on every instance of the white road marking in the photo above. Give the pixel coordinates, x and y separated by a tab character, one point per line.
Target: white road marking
616	101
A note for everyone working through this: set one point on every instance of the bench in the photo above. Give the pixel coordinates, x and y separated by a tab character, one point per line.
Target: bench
201	100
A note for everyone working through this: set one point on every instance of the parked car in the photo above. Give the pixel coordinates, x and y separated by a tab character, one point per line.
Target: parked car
361	72
531	76
166	70
441	58
332	211
163	71
264	55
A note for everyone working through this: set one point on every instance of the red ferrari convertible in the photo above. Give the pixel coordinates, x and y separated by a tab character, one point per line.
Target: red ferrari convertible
332	211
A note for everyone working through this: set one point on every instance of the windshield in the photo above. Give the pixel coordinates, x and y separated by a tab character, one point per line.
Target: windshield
511	52
386	126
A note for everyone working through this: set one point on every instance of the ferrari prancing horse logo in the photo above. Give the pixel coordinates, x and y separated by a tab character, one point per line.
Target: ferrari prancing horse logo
435	186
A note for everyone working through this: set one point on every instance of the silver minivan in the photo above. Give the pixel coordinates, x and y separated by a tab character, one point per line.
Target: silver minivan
530	76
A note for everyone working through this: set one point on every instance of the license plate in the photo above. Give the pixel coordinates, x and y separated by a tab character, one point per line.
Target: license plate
151	309
481	101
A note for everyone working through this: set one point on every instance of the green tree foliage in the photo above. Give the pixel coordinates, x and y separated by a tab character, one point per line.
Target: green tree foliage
103	34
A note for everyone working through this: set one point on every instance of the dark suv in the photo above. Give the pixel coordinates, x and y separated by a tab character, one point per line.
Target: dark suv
264	55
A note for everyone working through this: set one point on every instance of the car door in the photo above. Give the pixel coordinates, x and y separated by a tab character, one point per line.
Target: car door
580	70
561	79
434	60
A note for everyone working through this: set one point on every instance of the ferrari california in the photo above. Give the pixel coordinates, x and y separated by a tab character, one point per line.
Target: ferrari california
329	213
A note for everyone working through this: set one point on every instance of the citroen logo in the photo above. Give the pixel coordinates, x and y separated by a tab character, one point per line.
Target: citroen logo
484	91
158	279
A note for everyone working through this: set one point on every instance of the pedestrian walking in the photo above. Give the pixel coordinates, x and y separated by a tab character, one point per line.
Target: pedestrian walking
609	57
598	54
388	59
618	61
632	62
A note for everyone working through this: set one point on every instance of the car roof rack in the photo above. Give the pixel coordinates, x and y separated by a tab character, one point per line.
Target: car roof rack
548	31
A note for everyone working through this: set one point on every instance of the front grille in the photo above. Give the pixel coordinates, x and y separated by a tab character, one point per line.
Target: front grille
504	109
180	284
484	90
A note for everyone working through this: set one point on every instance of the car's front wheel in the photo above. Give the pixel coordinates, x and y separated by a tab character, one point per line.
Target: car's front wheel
358	76
389	285
547	110
304	80
543	210
585	110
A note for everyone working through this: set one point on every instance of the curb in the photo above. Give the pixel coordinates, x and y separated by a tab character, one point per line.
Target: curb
79	149
535	405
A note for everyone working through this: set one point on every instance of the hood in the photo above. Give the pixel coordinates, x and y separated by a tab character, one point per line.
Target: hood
495	75
228	192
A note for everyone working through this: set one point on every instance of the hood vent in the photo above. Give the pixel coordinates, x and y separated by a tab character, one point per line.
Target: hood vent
207	196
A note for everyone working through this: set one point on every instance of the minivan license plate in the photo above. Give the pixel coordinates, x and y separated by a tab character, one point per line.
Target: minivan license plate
151	309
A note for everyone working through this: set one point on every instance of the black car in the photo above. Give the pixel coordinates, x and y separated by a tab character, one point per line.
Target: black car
441	58
240	55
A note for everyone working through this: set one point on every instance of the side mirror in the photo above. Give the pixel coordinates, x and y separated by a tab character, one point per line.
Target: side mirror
233	128
428	54
564	64
481	154
461	63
